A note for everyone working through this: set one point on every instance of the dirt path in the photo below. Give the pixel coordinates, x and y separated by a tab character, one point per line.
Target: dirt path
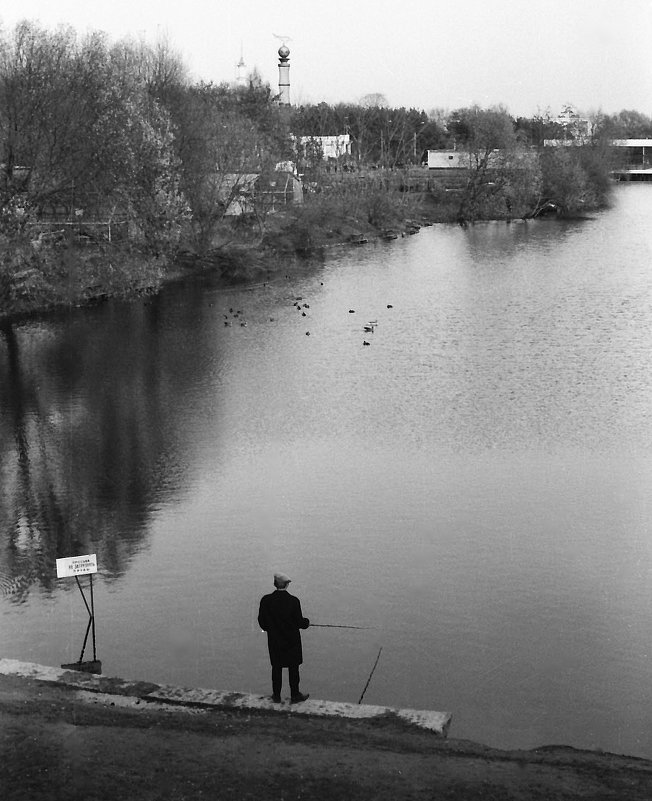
60	743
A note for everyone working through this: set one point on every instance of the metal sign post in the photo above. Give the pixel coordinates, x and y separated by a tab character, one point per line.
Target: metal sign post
80	566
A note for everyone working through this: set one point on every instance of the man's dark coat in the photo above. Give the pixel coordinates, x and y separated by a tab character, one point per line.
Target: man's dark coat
281	617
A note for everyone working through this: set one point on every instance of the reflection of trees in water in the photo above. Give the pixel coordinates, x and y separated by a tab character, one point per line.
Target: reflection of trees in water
89	408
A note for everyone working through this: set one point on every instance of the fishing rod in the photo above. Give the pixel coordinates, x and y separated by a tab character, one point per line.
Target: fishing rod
371	674
336	626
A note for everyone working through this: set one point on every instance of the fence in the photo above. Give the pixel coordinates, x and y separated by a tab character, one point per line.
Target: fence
99	231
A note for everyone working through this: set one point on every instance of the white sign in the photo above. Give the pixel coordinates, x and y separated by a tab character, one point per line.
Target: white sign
76	565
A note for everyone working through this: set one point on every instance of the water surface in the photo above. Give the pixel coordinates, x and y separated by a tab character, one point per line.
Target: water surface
474	485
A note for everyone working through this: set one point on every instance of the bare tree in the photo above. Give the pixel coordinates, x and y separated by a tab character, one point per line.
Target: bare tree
79	128
495	160
221	153
374	100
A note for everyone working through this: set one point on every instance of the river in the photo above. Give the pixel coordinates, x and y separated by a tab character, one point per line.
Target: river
474	486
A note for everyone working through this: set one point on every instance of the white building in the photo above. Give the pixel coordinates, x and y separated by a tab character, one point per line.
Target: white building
333	147
458	159
577	129
634	159
447	159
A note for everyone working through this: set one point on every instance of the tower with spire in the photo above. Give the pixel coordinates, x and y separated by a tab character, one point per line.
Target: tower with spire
241	70
284	75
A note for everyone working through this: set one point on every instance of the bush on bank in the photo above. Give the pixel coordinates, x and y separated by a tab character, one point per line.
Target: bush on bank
53	275
340	210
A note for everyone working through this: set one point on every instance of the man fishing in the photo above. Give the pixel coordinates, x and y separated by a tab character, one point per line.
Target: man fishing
281	617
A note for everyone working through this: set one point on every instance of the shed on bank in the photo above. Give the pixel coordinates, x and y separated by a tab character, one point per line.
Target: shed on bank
242	192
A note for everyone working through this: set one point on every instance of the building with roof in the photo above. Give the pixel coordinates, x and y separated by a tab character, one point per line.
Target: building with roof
239	192
332	147
633	159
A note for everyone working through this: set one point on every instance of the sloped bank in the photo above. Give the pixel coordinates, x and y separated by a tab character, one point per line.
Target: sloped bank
35	280
38	278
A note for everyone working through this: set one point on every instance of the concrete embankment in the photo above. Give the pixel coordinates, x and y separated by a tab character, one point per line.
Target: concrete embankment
435	722
66	735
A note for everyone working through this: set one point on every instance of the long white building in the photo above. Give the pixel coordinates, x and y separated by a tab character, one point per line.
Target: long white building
333	147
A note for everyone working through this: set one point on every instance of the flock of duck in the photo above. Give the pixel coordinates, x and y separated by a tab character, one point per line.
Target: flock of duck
368	327
236	316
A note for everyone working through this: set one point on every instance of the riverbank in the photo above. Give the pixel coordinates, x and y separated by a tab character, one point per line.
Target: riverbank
60	741
38	276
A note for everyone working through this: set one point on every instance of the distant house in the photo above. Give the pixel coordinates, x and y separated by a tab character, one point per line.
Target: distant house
333	147
636	152
576	130
457	159
279	189
447	160
633	156
239	192
234	191
633	159
575	127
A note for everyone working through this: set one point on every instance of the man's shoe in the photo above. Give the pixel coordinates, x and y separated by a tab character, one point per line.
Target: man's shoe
276	699
299	697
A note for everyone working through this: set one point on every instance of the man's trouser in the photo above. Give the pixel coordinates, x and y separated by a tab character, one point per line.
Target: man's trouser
277	679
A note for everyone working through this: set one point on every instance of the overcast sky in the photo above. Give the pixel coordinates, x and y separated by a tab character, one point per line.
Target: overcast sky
529	56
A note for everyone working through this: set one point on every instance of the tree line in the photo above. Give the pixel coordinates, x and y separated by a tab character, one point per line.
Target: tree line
118	130
88	126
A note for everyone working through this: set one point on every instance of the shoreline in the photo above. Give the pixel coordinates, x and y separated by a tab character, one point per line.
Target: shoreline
79	276
74	735
236	263
72	275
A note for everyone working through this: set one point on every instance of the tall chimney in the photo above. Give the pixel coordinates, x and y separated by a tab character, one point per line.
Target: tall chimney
284	75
